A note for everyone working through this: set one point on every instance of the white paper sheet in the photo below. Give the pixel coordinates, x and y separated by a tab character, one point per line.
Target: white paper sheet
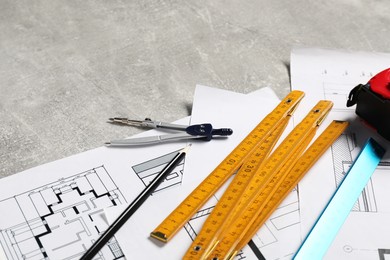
326	74
55	210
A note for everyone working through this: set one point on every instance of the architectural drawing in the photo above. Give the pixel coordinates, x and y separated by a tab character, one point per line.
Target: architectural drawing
146	171
331	75
284	217
284	220
344	150
61	219
279	231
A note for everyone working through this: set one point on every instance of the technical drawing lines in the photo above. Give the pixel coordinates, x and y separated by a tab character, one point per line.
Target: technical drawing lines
146	171
60	219
338	93
364	75
383	253
193	225
342	154
344	150
285	219
338	90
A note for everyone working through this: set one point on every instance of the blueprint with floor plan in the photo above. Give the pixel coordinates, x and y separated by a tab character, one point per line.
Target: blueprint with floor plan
56	211
66	210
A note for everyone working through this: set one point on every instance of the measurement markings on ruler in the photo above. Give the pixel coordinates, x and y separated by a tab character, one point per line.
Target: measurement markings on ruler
254	198
216	220
207	188
286	185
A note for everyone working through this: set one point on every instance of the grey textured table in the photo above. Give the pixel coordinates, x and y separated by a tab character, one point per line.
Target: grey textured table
66	66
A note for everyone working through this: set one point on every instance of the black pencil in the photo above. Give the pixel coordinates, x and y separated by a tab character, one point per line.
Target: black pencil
129	211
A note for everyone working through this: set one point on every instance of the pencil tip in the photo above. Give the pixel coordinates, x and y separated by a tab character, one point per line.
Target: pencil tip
185	149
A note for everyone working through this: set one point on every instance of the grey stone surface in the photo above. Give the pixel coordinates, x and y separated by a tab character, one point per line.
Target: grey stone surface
66	66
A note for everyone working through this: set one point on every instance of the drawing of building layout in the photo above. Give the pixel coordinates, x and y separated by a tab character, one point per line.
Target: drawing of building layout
343	151
61	219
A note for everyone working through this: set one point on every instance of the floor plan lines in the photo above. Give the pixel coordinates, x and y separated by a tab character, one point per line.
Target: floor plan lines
284	217
146	171
344	151
60	219
193	224
282	228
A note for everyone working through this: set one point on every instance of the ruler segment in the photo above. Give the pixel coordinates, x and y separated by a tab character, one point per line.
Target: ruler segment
336	212
216	220
181	215
253	196
321	144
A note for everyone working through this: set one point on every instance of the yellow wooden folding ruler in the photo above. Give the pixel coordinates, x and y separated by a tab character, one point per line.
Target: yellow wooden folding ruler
281	189
246	224
217	219
258	187
207	188
237	209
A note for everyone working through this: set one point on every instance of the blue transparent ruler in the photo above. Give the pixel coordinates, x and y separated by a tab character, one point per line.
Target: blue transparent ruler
335	213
